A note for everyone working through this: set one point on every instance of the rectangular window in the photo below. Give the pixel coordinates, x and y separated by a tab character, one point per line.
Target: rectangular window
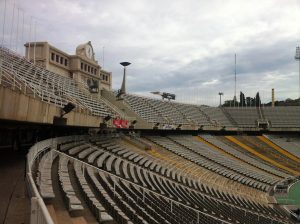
52	56
81	66
66	62
62	60
89	68
95	71
85	67
92	70
57	58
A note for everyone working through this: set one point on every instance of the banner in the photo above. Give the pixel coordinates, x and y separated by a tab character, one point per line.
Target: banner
120	123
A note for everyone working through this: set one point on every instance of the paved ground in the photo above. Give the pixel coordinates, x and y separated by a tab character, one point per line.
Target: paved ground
14	203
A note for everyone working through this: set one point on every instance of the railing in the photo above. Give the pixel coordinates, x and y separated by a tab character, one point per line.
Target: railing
10	77
45	84
38	211
117	110
8	80
171	201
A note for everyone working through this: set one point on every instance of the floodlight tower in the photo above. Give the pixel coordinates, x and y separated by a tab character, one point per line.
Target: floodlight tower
234	98
297	57
123	87
221	94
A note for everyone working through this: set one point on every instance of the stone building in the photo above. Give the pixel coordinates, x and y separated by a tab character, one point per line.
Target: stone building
82	66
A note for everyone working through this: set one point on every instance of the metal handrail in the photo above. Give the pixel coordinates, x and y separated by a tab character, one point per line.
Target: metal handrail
39	212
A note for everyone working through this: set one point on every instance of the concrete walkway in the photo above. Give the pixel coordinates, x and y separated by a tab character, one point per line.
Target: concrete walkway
14	202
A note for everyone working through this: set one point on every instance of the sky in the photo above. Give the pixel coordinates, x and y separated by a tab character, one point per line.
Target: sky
183	47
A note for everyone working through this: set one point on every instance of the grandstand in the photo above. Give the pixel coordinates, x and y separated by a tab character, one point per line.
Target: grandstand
217	165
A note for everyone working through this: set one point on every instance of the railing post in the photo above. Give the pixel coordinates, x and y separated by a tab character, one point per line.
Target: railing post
114	187
0	70
33	211
144	195
83	169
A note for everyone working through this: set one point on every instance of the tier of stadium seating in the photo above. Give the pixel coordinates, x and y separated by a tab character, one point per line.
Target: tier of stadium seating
122	184
51	87
288	143
283	116
202	155
244	117
165	112
241	155
59	90
218	116
269	153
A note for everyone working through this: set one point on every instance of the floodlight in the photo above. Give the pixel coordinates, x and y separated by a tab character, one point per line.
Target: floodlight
297	57
125	63
67	109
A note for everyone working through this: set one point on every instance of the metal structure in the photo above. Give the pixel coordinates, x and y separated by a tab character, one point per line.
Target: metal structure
123	87
234	98
221	94
164	95
297	57
273	97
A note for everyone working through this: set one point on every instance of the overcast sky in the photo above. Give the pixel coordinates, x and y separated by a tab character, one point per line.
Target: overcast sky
185	47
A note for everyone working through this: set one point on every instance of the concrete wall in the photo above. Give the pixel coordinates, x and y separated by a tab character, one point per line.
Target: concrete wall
19	107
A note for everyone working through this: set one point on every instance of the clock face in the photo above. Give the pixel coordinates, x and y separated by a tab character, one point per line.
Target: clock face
89	51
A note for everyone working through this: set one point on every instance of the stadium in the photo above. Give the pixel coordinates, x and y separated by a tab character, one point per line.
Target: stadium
74	150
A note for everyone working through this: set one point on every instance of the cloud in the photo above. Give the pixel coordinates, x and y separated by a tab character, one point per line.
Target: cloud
186	47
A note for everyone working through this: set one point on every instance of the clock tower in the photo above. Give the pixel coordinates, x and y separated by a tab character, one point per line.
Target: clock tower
86	50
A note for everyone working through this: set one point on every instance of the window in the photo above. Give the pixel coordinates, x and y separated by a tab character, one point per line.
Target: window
81	66
66	62
95	71
85	67
89	68
52	56
57	58
92	70
62	60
